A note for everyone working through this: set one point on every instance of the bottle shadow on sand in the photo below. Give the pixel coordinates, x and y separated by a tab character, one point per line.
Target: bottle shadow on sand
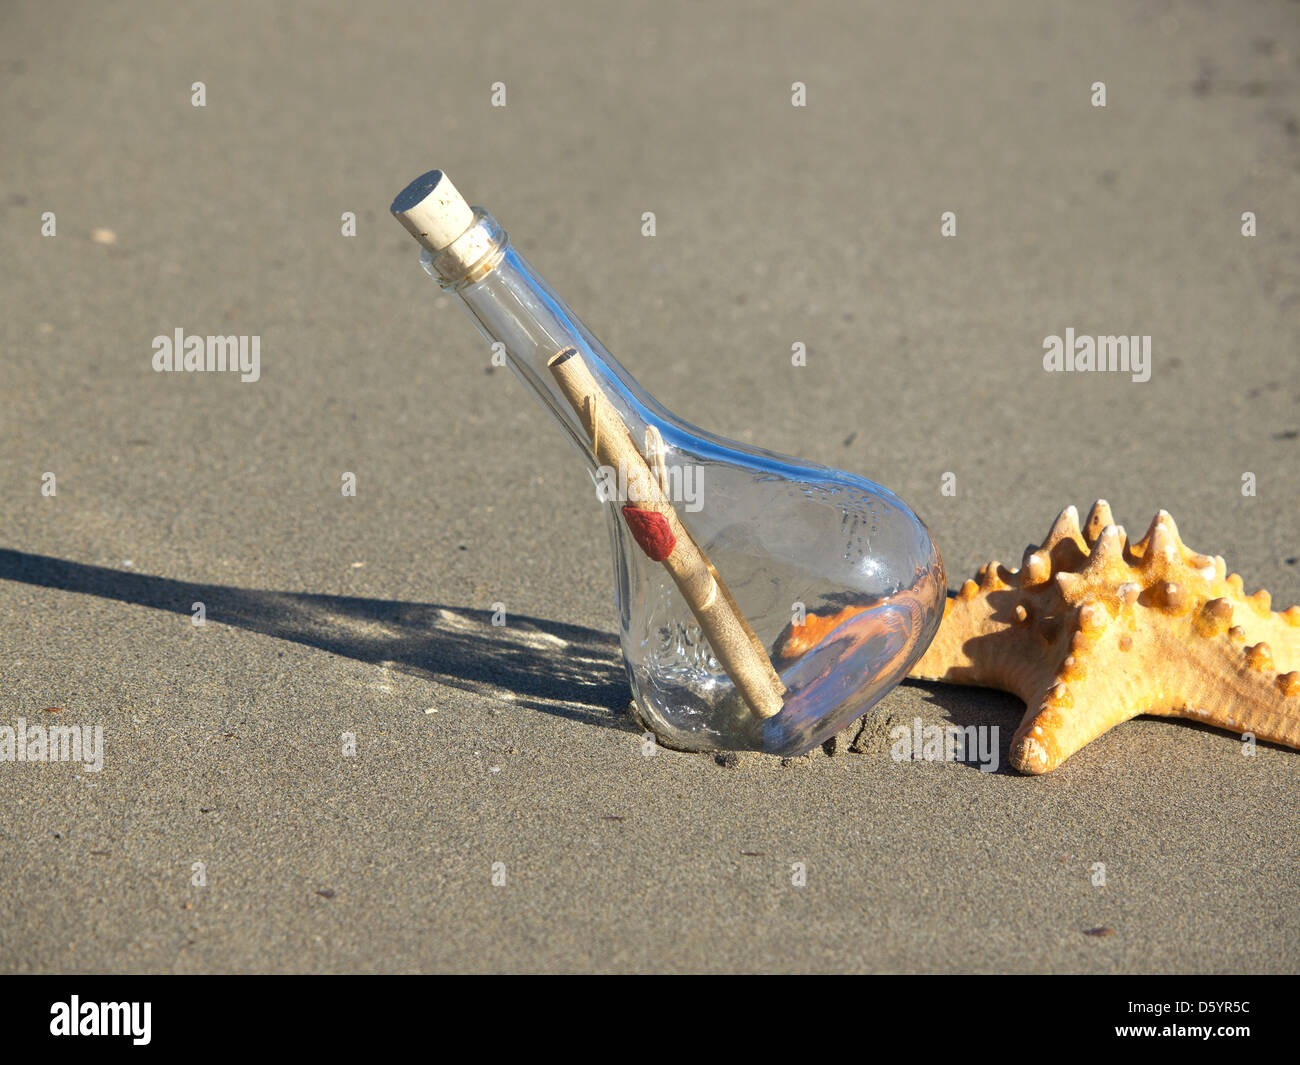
565	670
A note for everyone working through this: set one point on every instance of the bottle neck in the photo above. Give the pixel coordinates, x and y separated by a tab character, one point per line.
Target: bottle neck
515	308
470	256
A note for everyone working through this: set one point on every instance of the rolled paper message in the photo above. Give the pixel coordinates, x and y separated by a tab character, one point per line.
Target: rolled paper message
658	531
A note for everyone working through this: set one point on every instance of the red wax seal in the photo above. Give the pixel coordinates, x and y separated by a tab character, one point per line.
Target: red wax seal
650	529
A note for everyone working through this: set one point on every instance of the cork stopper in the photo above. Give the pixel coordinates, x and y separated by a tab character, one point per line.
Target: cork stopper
433	211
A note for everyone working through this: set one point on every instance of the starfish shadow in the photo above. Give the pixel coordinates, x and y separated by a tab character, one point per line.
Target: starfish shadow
560	669
984	708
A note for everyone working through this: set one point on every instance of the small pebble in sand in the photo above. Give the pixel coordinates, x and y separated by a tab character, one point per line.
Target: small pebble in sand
103	236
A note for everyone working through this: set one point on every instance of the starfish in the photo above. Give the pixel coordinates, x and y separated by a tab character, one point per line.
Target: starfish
1092	631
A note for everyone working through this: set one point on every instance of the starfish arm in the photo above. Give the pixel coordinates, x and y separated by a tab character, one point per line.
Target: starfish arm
1068	715
1214	680
1247	695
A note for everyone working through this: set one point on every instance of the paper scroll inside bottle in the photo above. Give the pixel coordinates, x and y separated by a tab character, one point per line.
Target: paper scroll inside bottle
655	526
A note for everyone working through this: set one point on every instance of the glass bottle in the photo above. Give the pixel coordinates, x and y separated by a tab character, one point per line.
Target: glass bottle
764	602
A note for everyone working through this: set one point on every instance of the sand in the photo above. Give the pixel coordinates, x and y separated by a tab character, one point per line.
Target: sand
369	615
